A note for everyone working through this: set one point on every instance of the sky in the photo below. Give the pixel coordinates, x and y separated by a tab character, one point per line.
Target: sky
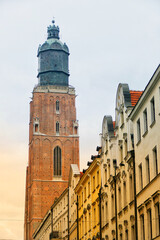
110	42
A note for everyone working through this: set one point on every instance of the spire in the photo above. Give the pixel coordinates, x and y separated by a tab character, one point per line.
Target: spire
53	31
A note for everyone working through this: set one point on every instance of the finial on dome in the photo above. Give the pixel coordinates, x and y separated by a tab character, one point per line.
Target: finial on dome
53	31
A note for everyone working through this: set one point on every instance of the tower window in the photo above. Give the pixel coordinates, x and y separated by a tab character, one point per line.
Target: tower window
57	127
36	127
57	161
57	106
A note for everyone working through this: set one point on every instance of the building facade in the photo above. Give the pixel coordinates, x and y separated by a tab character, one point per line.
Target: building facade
53	132
87	191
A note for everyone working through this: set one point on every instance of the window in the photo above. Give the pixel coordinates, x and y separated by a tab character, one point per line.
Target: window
145	121
94	219
142	227
85	224
57	106
102	216
106	212
147	170
88	188
149	222
126	234
57	127
131	187
97	178
155	163
124	194
84	193
57	161
120	200
113	206
89	220
152	110
133	233
105	175
138	130
93	183
157	217
36	127
140	177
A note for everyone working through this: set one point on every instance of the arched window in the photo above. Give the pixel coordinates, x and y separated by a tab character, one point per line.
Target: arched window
57	127
57	161
57	106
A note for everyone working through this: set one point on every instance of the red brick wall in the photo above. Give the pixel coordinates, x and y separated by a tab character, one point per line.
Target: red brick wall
42	189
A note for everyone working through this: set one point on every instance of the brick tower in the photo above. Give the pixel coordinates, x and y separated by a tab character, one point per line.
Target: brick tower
53	132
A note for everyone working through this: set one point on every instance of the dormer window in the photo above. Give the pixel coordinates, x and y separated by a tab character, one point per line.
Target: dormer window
57	106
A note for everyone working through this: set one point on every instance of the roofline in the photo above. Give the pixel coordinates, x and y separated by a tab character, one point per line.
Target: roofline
88	170
41	223
146	92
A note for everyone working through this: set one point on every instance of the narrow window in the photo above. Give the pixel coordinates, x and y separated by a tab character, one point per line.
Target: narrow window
142	227
149	221
152	110
85	224
122	118
94	217
147	170
84	193
133	232
97	178
124	194
88	189
57	127
36	127
102	216
89	220
126	234
131	187
120	200
138	130
105	175
106	212
113	206
145	121
155	163
140	177
57	161
57	106
93	183
157	217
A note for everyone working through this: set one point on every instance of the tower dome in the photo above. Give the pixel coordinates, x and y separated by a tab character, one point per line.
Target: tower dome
53	59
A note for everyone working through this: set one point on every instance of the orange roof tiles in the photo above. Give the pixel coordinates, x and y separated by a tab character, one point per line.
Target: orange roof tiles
135	95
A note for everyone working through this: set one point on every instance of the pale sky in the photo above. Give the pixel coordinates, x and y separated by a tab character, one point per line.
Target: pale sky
110	41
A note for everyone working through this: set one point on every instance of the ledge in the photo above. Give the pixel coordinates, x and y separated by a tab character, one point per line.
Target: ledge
145	133
138	142
152	124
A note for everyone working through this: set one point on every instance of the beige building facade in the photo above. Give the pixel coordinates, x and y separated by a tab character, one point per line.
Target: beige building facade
55	223
130	165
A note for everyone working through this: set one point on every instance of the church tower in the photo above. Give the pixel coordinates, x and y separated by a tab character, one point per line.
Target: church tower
53	131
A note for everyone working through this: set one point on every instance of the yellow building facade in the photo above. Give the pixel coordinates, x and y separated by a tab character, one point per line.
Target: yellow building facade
87	191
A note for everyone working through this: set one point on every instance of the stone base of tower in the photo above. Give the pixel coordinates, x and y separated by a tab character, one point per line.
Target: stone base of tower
42	193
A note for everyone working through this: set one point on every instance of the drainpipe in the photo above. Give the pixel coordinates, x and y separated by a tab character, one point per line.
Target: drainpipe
68	213
77	219
100	218
135	195
115	193
51	220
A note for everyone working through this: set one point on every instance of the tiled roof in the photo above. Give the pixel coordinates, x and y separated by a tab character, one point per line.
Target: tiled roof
81	174
135	95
